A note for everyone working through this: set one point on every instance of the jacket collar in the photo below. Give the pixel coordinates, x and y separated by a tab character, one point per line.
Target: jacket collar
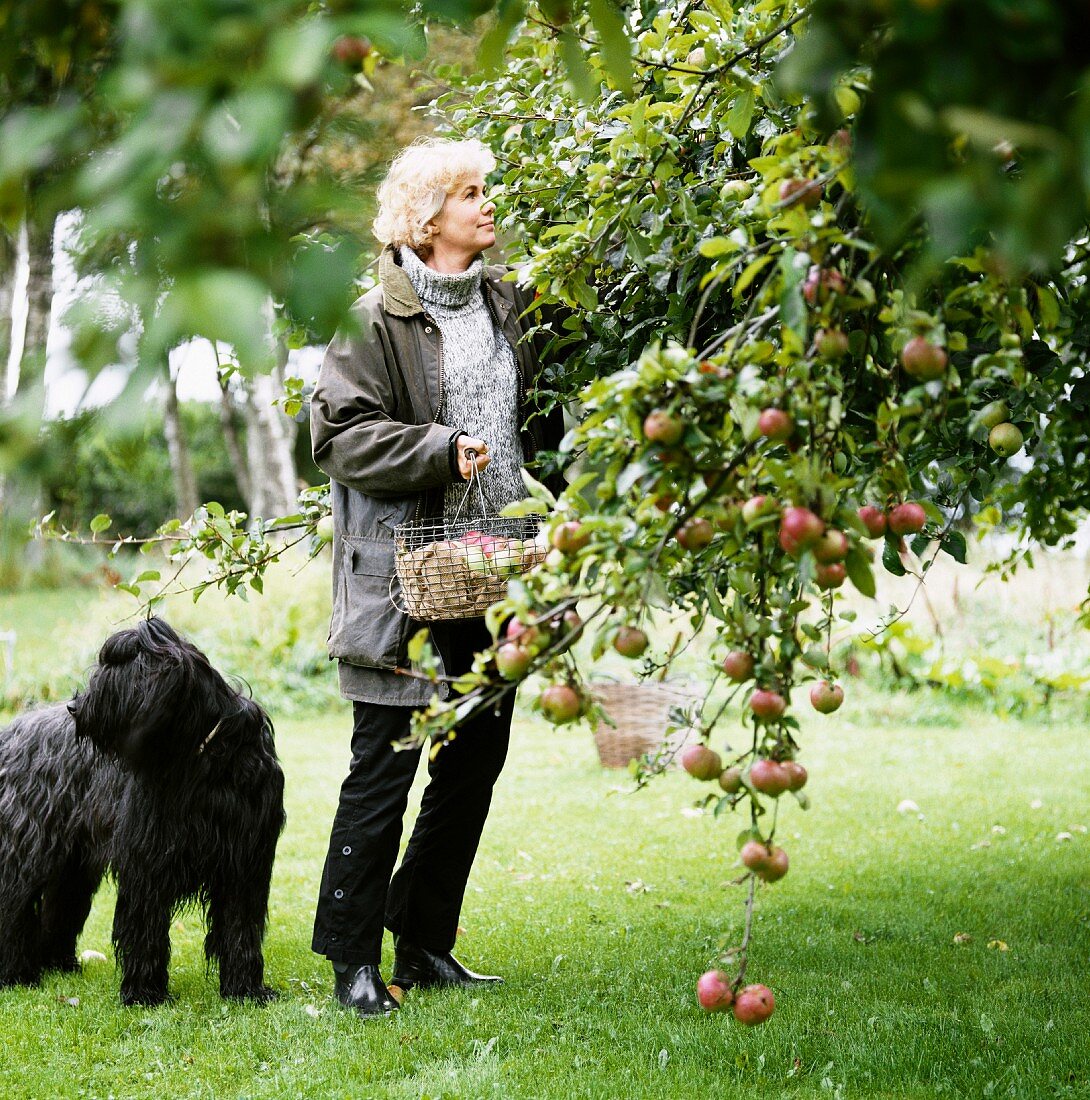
399	297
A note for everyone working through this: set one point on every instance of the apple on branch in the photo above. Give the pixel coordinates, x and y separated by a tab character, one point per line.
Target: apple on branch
713	991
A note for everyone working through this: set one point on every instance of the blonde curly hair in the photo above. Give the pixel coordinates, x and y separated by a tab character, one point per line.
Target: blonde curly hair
420	178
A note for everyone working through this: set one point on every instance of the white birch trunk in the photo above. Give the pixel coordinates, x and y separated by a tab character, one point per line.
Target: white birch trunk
181	461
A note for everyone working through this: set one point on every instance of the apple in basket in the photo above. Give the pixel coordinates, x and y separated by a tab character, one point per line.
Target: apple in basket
479	549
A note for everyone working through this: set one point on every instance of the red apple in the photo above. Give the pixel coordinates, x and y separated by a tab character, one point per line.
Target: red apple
804	191
754	855
570	537
701	762
522	633
832	546
756	507
561	703
802	527
738	665
826	697
767	704
923	360
832	575
796	775
630	641
822	283
571	620
351	49
695	533
907	519
730	779
831	344
753	1005
661	427
768	777
775	424
874	520
713	991
512	661
775	866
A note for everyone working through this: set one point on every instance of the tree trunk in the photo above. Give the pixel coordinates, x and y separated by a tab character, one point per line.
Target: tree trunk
181	462
39	304
270	436
231	439
8	272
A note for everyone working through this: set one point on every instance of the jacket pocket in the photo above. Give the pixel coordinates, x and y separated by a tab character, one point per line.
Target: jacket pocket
366	628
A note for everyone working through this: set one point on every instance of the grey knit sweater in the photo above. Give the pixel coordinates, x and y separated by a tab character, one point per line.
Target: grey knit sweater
480	379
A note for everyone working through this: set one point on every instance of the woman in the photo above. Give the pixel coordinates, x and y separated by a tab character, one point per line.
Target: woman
434	380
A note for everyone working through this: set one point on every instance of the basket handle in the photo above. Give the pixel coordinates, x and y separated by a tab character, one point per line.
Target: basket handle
393	598
474	479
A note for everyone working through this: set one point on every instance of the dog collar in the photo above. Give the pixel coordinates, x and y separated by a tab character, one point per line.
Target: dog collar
215	730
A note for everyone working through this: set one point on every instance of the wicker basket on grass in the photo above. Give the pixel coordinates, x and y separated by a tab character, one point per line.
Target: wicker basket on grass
640	714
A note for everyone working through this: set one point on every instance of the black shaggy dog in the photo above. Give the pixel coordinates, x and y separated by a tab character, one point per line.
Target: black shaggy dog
165	776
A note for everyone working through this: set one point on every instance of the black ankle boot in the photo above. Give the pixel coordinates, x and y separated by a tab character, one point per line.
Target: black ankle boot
361	988
424	969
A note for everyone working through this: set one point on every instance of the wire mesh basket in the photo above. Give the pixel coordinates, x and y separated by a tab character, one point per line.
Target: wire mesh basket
640	714
458	568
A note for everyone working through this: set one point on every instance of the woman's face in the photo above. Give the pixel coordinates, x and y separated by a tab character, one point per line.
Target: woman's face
465	222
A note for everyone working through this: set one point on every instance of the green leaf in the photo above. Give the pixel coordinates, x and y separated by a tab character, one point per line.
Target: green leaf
717	246
147	575
740	114
571	50
750	273
419	644
525	507
509	14
616	46
891	559
954	545
860	572
538	490
100	523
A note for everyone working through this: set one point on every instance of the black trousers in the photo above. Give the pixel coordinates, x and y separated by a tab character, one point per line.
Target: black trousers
422	901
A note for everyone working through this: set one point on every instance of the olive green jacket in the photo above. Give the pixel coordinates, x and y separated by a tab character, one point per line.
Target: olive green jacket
377	430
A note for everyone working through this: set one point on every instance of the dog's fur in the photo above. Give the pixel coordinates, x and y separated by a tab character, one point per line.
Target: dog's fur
165	776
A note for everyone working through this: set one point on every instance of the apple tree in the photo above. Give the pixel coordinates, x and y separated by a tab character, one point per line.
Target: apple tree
781	390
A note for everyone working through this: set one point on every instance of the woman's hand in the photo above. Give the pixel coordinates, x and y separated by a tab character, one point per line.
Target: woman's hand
480	460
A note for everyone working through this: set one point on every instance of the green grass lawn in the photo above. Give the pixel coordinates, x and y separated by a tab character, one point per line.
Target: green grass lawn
602	909
603	906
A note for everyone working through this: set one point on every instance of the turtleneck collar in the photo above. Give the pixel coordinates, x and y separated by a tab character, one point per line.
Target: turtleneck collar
436	287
